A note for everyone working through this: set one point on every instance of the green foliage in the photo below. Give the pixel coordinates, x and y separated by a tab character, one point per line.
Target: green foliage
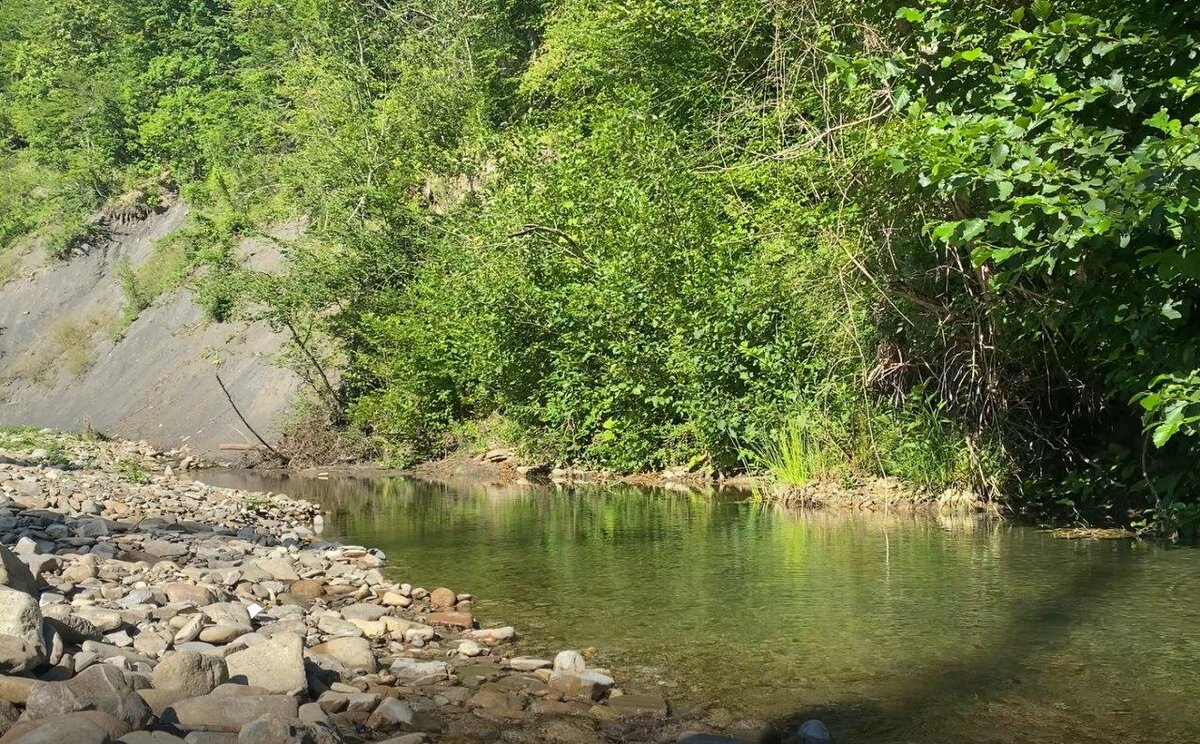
940	242
1062	146
26	440
133	472
797	453
922	446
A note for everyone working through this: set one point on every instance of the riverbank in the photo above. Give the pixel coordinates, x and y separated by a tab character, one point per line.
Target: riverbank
869	494
135	600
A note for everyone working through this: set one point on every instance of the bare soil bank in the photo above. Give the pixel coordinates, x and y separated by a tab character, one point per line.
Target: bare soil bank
60	366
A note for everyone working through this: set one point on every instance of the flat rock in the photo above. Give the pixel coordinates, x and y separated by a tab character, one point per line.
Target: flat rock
586	686
492	636
100	687
452	619
223	634
392	714
73	628
651	705
165	548
273	729
280	569
276	665
194	673
309	588
395	599
528	664
148	737
353	653
210	737
189	593
160	700
414	672
227	613
228	713
105	620
363	611
73	728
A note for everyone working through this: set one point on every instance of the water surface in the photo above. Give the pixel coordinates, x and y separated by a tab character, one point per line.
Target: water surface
892	628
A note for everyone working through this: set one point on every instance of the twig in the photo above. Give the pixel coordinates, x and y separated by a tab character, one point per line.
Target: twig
337	399
533	229
229	398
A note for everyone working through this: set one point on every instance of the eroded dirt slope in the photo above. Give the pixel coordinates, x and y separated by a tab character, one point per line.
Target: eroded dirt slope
61	367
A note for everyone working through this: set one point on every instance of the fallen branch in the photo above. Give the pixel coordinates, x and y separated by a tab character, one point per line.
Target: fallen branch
229	398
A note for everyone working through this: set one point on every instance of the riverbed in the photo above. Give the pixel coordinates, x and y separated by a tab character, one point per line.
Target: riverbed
891	627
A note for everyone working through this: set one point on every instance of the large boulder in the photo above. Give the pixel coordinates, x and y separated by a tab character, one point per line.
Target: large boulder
443	598
15	574
188	593
273	729
20	616
353	653
9	714
18	689
100	687
82	727
276	665
17	655
228	713
194	673
570	661
227	613
72	627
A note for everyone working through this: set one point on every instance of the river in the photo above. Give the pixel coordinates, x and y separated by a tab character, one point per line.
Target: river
891	628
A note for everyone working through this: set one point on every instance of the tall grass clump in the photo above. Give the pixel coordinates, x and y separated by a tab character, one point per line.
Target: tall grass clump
797	453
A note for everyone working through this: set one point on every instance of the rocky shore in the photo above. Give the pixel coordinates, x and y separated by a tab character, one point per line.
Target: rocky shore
142	608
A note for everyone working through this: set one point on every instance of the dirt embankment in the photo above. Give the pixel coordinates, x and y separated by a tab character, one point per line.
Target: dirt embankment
62	364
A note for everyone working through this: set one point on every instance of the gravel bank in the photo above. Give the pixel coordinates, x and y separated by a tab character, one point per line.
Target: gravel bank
142	608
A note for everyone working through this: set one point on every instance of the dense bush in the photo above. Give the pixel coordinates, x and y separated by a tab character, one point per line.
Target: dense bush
940	241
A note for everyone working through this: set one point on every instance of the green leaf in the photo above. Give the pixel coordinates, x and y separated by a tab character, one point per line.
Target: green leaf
1170	425
1004	189
912	15
1000	255
945	231
1040	9
1150	401
972	229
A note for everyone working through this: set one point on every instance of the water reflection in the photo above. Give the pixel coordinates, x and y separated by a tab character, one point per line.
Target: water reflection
896	628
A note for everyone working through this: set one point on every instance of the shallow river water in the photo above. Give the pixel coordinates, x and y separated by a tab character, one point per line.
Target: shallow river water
891	628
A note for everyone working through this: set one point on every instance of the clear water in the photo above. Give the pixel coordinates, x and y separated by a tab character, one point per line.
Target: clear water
891	628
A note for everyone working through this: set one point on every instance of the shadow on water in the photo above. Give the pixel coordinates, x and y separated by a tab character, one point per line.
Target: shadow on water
928	706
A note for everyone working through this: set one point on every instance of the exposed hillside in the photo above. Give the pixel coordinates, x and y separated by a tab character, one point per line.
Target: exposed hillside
67	361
